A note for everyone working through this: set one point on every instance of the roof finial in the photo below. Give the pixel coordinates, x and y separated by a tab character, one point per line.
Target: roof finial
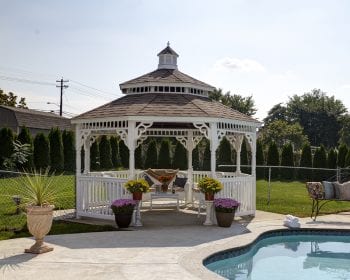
168	44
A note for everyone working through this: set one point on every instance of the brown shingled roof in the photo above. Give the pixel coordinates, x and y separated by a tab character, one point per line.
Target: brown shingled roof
164	105
168	50
166	76
37	119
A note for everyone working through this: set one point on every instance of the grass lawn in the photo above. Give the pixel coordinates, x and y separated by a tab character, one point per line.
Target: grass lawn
291	198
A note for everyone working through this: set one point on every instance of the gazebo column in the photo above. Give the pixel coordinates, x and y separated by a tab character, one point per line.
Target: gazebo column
78	144
214	142
238	148
87	155
131	143
190	147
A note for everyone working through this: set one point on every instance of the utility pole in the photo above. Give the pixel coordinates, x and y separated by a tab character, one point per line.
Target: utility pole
62	86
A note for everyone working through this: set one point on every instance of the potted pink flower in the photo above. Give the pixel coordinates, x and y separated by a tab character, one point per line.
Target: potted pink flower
123	209
225	209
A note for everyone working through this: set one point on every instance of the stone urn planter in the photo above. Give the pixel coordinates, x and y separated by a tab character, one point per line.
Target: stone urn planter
39	222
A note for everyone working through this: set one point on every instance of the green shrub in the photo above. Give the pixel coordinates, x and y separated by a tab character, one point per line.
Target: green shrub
41	151
180	157
305	161
124	154
273	159
94	156
245	157
115	152
151	155
105	153
332	162
224	155
56	150
68	150
287	159
6	145
320	161
342	152
25	138
195	159
138	158
260	160
164	160
206	157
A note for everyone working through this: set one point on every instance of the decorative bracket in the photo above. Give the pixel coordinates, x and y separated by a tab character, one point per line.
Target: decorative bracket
203	128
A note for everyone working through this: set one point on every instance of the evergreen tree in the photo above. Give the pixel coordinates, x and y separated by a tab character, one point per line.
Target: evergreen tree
273	159
305	161
56	150
25	138
287	159
124	154
224	155
164	160
332	162
138	158
320	161
105	153
195	158
41	151
260	160
115	152
151	155
68	150
347	159
342	152
94	156
180	157
206	157
244	158
6	145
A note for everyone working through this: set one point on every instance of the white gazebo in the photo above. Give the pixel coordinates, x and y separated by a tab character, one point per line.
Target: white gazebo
163	103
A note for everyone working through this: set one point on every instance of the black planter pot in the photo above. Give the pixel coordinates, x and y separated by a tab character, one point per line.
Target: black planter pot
123	220
225	219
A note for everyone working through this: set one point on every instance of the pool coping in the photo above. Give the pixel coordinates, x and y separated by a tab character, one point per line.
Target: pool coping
194	261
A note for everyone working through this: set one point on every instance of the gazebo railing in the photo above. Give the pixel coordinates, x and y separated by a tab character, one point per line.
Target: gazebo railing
241	189
95	195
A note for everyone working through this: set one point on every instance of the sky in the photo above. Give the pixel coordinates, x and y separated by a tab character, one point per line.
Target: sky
271	50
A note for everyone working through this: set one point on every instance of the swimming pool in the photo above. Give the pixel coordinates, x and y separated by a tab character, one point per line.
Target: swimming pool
287	254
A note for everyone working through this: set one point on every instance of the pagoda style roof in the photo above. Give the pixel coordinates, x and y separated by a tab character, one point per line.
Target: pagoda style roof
165	105
166	76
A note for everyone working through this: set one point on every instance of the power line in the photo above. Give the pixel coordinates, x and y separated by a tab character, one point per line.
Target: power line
90	87
21	80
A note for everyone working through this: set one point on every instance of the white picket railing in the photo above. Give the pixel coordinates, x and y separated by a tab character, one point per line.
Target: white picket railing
95	195
242	189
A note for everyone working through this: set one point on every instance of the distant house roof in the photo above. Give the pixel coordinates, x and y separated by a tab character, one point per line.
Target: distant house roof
166	76
36	119
165	105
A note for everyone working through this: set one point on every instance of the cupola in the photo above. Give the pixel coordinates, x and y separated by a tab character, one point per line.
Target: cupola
167	58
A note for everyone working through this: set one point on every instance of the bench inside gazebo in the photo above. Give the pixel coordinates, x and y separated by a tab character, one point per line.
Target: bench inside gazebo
163	103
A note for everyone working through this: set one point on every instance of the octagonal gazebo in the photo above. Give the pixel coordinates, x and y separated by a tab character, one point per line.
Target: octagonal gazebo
163	103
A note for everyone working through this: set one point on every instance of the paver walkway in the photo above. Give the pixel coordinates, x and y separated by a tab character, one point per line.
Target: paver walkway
171	245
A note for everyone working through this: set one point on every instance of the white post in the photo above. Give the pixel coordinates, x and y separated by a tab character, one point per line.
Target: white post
87	155
78	168
238	158
213	146
131	143
190	147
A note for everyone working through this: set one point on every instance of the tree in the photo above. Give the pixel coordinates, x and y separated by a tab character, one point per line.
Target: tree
245	157
206	157
319	115
342	151
124	154
41	151
105	153
277	113
287	159
68	150
344	133
24	137
282	132
273	159
94	156
244	105
10	99
56	150
332	162
305	161
224	155
151	155
19	156
320	161
180	157
260	160
6	145
347	159
138	158
115	152
164	160
195	159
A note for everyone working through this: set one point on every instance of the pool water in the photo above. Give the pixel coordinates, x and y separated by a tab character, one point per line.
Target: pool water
302	256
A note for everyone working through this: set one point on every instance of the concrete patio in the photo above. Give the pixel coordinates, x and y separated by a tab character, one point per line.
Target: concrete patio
170	245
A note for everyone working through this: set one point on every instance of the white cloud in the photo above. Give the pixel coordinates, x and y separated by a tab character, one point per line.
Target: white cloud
241	65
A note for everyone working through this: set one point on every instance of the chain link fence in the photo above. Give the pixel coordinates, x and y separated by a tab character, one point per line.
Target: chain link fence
12	215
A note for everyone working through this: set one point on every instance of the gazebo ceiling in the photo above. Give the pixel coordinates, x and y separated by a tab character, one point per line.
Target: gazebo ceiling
162	105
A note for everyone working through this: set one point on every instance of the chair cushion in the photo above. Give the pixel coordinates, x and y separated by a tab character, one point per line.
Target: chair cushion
344	191
328	190
148	180
180	182
337	187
